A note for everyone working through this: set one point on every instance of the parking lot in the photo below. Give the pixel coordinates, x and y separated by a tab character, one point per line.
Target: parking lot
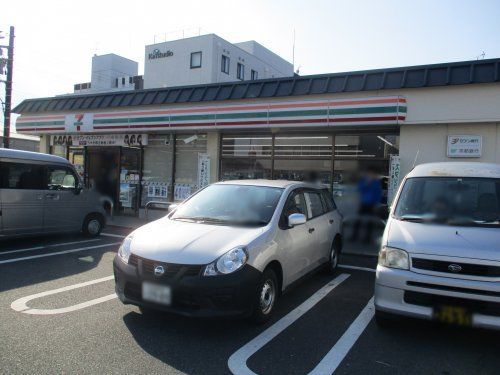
59	314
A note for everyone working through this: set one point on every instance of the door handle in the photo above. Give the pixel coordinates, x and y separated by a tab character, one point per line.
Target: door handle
331	221
311	230
53	196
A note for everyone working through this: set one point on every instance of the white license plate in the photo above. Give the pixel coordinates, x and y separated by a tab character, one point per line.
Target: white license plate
156	293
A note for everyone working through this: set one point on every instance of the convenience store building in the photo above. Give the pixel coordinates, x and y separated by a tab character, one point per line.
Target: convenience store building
163	144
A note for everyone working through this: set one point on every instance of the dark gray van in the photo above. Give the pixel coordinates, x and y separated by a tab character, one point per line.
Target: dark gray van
42	194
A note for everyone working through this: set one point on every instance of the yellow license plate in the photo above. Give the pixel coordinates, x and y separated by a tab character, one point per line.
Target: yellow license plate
453	315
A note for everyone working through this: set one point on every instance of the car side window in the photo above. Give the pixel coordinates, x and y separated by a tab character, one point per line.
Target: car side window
60	178
22	176
295	204
328	200
315	204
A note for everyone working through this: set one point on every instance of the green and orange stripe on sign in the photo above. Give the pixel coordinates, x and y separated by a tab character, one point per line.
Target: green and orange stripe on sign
388	110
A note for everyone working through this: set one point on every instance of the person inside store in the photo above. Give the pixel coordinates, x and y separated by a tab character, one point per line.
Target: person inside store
370	195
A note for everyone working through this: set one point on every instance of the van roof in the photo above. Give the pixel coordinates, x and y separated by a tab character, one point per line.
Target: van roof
456	169
28	155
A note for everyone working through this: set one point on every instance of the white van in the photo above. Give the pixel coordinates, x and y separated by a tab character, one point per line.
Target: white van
440	256
42	194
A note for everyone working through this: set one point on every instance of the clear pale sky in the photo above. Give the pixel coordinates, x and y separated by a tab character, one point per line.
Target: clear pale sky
55	40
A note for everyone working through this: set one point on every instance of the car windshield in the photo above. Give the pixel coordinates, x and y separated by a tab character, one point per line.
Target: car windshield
231	205
450	201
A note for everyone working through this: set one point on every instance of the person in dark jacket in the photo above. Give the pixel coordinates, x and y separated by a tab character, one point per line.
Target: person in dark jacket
370	192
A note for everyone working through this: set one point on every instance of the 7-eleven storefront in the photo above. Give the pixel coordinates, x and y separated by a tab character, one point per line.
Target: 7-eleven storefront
137	154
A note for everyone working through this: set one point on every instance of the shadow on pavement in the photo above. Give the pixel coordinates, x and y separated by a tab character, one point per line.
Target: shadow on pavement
38	270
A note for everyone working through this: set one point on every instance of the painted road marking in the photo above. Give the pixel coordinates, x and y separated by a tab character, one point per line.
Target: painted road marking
238	361
112	235
20	304
58	253
357	268
46	246
339	351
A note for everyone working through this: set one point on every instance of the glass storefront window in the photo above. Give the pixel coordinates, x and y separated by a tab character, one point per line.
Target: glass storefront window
246	157
76	156
130	179
366	147
188	148
58	150
157	172
303	157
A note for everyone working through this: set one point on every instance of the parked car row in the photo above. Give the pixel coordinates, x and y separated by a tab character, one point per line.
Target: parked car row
232	248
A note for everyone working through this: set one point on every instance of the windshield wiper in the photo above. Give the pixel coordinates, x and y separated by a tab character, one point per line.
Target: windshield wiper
206	219
184	218
416	219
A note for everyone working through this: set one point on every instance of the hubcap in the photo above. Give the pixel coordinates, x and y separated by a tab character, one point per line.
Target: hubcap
267	295
94	226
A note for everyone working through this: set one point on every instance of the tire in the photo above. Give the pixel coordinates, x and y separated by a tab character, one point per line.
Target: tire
266	297
333	260
92	225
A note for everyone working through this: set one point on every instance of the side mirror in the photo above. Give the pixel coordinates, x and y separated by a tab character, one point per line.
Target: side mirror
78	189
172	207
296	219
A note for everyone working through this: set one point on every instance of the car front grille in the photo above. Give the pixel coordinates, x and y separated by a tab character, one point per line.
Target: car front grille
465	268
431	300
172	270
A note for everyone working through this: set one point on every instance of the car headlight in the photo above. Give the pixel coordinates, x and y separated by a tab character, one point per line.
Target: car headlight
230	262
393	258
124	250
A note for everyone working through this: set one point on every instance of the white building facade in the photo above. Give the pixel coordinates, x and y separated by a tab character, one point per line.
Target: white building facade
210	59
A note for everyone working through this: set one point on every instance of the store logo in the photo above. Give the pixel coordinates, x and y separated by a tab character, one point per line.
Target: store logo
455	268
159	270
156	54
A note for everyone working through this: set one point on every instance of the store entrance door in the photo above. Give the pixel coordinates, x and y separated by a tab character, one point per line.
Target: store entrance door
103	171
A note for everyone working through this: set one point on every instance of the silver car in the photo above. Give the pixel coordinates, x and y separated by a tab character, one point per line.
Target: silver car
440	256
230	250
42	194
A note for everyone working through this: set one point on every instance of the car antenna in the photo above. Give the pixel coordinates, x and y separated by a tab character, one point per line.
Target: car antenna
415	160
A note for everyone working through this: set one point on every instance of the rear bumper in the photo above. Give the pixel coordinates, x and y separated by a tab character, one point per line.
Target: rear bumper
414	295
194	296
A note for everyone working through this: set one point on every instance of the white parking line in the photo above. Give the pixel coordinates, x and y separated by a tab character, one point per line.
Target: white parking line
112	235
46	246
348	267
238	361
58	253
20	304
336	354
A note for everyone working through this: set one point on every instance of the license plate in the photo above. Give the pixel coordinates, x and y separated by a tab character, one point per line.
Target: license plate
156	293
453	315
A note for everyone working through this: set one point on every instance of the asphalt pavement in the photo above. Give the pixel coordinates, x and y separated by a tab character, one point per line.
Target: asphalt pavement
59	314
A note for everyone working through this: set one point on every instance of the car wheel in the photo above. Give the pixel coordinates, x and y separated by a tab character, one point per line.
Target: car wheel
92	226
267	294
334	255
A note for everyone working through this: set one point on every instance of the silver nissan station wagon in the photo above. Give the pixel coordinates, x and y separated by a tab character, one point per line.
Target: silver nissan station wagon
440	256
230	249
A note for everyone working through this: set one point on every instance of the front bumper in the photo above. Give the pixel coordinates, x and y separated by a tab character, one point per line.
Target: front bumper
230	295
411	294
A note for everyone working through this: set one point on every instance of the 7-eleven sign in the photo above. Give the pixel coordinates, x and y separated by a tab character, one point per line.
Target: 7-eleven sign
80	122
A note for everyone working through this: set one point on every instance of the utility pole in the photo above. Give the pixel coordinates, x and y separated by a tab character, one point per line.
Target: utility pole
8	88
